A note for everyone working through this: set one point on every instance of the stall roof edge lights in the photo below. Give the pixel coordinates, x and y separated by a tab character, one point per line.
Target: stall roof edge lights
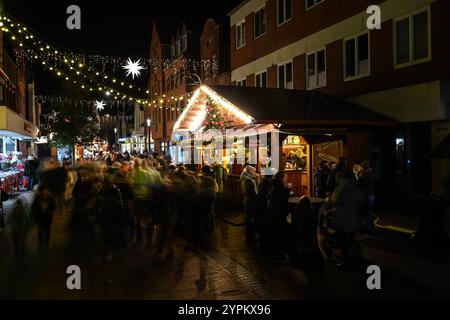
200	117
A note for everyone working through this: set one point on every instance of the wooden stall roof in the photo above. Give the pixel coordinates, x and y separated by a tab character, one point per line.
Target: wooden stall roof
299	107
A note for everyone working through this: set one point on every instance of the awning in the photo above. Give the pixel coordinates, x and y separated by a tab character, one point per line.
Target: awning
15	126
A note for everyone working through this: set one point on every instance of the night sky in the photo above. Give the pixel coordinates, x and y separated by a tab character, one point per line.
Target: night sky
110	28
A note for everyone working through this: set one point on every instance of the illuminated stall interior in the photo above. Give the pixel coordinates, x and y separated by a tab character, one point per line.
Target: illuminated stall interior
312	126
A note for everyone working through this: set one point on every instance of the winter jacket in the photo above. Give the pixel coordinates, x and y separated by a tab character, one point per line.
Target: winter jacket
347	200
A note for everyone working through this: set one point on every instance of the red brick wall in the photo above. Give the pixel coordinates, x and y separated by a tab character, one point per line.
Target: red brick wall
301	25
382	77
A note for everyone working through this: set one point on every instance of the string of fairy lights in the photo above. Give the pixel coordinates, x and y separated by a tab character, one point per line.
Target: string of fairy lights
79	69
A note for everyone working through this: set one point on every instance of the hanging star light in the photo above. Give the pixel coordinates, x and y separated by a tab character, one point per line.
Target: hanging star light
133	68
100	105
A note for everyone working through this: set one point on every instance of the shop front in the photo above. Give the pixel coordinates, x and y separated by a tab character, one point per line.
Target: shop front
273	129
17	142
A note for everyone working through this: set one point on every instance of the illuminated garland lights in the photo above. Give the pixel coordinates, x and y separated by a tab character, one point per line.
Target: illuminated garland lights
58	59
164	102
77	74
115	63
55	60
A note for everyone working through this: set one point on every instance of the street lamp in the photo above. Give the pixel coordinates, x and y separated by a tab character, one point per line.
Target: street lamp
115	139
149	122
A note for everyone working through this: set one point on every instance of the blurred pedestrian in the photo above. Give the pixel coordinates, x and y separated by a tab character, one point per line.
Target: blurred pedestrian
347	201
279	210
366	182
208	190
221	175
42	210
250	189
112	218
320	179
20	224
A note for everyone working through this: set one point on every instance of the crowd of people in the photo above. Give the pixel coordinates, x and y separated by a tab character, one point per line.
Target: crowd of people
349	193
337	180
121	203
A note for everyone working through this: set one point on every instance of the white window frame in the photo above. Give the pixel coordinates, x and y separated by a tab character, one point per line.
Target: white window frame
357	76
254	22
284	64
316	3
284	14
240	83
410	16
259	74
243	35
315	53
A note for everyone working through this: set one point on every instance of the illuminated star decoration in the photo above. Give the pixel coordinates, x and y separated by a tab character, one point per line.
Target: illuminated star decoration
100	105
133	68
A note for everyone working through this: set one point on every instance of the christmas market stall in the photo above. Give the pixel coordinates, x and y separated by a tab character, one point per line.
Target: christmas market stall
271	129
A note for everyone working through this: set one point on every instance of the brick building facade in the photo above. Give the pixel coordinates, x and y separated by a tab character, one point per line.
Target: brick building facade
178	68
400	71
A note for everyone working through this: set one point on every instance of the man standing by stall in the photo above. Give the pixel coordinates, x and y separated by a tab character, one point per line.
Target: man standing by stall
31	167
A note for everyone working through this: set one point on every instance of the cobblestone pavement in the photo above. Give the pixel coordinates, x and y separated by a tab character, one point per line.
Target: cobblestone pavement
233	270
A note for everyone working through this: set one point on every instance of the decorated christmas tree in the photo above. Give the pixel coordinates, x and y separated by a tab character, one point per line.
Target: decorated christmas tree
214	118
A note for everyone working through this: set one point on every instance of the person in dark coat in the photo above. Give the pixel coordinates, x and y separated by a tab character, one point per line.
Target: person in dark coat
320	179
279	210
42	210
84	215
112	217
347	201
208	193
187	193
249	187
366	183
31	166
20	224
263	224
342	166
